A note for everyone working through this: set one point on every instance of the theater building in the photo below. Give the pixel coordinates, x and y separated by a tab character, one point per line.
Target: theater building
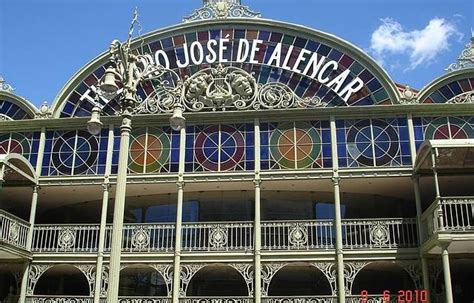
304	173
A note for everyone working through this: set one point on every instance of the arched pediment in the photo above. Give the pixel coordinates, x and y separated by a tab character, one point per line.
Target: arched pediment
18	166
312	64
454	87
13	107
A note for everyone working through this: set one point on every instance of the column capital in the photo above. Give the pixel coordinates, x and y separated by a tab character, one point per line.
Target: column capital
106	184
36	188
180	184
336	180
257	182
126	122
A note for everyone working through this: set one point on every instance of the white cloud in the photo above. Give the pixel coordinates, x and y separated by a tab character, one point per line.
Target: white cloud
422	46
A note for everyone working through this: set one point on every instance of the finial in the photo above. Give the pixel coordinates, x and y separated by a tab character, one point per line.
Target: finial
466	59
221	9
4	86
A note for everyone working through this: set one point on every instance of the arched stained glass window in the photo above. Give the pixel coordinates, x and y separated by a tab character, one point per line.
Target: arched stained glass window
154	150
373	142
25	144
75	152
220	148
430	128
11	111
450	91
300	145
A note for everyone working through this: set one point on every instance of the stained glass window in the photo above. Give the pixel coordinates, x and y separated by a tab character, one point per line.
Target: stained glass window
220	148
154	150
25	144
13	111
373	142
300	145
443	128
75	152
81	100
450	90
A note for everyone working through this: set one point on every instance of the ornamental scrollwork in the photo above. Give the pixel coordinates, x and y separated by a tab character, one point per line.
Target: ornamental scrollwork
166	271
329	270
5	86
5	118
467	97
379	233
89	272
465	60
221	10
298	235
14	232
218	237
66	239
351	269
186	274
34	274
413	268
246	271
141	238
268	272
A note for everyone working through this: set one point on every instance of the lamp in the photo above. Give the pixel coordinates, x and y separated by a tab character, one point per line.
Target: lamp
94	125
108	85
177	121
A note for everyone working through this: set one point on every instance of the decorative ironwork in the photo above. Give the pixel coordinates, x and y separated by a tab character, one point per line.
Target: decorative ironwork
33	276
408	96
413	268
329	270
141	238
223	88
5	118
298	235
467	97
66	238
14	232
89	272
186	274
5	86
44	111
218	237
379	233
351	269
247	272
268	272
104	285
221	10
166	271
465	60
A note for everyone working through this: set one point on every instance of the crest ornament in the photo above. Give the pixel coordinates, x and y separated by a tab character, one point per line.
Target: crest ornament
379	233
66	239
14	232
141	238
298	235
221	10
218	237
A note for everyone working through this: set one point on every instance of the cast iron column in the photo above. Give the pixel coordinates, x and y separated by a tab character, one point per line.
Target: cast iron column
119	208
447	274
257	220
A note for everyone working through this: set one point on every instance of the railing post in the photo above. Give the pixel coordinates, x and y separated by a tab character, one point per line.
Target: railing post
34	203
439	214
341	292
179	218
257	225
447	274
424	264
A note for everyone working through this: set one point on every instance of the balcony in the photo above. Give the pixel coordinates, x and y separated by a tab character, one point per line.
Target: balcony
449	219
13	234
311	235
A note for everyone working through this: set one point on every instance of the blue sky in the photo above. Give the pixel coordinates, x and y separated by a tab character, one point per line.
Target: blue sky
44	42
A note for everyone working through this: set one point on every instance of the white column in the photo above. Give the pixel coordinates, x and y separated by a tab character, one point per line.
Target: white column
257	220
447	275
103	218
179	217
341	292
119	209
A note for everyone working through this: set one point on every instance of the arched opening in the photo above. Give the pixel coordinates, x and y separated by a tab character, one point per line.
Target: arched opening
299	280
461	281
62	280
379	276
141	280
217	280
8	286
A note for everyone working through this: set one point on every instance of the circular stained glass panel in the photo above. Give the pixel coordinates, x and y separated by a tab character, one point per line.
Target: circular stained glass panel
226	146
295	145
75	152
149	151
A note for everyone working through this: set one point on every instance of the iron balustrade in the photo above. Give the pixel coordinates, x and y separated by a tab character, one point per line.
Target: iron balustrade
219	236
379	233
298	235
124	299
59	299
231	236
216	300
300	299
13	230
372	299
448	214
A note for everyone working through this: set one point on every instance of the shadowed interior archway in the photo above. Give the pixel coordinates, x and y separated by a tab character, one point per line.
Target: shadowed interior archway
217	280
62	280
299	279
379	276
141	280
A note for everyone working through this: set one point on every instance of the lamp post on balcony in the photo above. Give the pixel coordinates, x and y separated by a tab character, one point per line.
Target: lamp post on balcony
128	70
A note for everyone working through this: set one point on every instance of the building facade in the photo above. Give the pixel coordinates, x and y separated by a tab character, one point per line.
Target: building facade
304	174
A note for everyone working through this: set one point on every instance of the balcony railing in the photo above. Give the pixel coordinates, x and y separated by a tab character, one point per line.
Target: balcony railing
448	214
216	300
298	235
231	236
218	236
379	233
13	230
144	300
59	299
305	299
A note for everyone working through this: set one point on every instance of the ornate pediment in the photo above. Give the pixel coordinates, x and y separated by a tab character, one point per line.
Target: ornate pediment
221	9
